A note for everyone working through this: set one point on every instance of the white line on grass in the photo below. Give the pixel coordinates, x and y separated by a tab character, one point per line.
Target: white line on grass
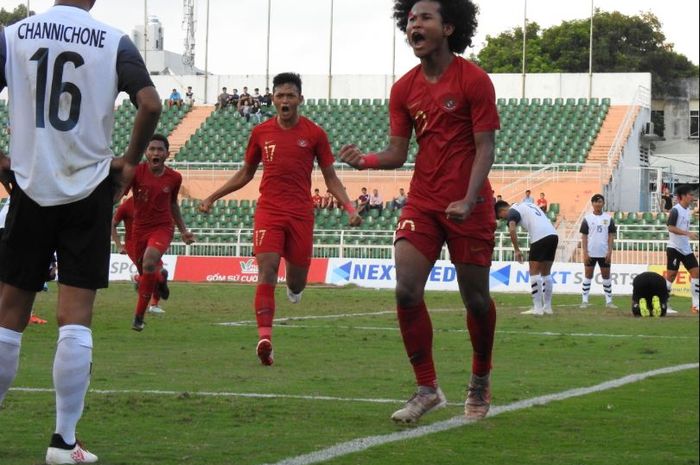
361	444
251	395
498	331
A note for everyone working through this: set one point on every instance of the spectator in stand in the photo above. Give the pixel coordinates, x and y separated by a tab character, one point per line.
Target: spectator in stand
666	202
245	105
329	201
375	201
233	98
363	202
542	202
256	94
223	100
267	98
317	199
189	96
245	92
499	197
175	99
400	200
528	197
256	111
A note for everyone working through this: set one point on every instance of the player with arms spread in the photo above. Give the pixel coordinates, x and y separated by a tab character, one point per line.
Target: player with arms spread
156	212
450	104
287	146
62	88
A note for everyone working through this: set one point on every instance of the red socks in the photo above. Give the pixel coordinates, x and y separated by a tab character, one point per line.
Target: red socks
146	285
481	331
265	309
417	332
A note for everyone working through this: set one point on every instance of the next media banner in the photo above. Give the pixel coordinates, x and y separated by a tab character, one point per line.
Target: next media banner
504	276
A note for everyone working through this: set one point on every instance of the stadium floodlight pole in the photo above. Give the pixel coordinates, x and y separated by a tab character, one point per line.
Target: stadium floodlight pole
206	58
524	45
27	8
590	56
145	34
330	59
267	65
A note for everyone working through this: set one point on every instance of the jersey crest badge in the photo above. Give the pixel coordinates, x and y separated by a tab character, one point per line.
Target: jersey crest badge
449	103
303	143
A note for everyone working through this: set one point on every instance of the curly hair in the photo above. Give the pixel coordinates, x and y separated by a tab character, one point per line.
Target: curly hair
459	13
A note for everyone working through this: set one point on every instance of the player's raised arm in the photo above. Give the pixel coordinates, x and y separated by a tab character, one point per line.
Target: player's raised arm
242	177
394	156
338	190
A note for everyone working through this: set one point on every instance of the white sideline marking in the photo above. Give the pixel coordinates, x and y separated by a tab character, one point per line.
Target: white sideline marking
527	333
361	444
251	395
310	317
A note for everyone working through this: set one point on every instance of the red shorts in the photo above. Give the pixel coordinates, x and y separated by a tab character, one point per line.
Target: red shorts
290	237
469	242
157	238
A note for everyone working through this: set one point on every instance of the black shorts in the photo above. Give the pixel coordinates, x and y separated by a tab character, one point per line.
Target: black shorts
674	259
592	261
78	232
544	249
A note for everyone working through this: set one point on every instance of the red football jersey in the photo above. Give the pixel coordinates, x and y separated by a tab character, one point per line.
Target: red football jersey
288	158
125	213
445	115
153	196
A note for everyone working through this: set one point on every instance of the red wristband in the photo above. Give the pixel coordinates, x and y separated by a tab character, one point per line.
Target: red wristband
350	208
370	161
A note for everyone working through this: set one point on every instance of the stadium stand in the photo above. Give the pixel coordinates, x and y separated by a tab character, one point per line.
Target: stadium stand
533	131
124	119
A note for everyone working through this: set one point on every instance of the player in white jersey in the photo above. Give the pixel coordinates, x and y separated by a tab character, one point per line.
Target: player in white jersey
597	239
543	248
679	249
63	71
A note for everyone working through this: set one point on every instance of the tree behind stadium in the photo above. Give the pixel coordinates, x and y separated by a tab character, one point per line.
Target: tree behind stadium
10	17
621	43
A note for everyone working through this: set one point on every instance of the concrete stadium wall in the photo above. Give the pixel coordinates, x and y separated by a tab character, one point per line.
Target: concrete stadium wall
619	87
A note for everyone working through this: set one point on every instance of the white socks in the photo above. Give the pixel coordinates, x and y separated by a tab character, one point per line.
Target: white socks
694	290
607	287
10	342
71	377
586	288
536	285
669	285
547	289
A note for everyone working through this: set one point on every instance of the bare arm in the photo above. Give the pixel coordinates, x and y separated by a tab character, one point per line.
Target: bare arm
145	122
116	238
611	242
514	239
394	156
682	232
187	236
584	247
485	156
237	181
338	190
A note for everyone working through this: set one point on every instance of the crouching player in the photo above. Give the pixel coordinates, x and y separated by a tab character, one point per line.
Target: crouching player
649	295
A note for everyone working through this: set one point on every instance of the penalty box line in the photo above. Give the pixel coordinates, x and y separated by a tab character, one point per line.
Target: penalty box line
362	444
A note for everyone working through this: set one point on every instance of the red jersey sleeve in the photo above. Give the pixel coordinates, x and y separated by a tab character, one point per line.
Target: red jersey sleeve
324	154
119	214
400	121
253	154
482	102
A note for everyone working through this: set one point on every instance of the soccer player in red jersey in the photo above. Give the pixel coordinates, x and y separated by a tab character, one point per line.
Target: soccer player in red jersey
450	104
156	211
287	146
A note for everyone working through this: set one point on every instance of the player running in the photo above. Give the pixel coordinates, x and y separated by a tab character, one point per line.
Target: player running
450	104
156	212
543	248
679	250
62	87
287	146
125	214
597	239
